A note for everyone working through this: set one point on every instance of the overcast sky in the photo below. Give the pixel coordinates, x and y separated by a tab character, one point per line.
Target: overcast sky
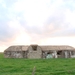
45	22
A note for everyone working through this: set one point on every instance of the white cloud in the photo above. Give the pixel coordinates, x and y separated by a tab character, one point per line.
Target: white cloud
14	24
22	38
59	41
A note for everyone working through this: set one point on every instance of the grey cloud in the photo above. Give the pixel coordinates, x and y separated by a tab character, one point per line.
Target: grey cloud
61	28
5	31
56	19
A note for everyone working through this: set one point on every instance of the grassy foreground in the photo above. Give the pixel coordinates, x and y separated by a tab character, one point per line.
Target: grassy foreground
43	66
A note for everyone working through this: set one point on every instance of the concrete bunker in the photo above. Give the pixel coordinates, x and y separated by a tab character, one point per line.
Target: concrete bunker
38	51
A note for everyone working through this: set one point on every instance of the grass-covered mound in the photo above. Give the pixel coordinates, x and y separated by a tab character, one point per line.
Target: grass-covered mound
23	66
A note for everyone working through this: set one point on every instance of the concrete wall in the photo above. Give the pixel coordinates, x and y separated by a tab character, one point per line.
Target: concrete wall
13	54
72	54
49	54
59	54
25	54
34	54
7	54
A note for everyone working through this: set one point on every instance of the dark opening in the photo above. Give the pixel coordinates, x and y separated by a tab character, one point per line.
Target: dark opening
59	52
34	47
49	52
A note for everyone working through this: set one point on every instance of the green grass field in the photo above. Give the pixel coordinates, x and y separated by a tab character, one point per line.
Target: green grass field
10	66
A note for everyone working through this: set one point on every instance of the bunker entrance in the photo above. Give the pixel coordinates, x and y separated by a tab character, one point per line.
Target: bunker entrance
59	54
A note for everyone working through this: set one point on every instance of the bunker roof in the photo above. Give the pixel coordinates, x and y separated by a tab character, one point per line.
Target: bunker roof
43	47
17	48
53	47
